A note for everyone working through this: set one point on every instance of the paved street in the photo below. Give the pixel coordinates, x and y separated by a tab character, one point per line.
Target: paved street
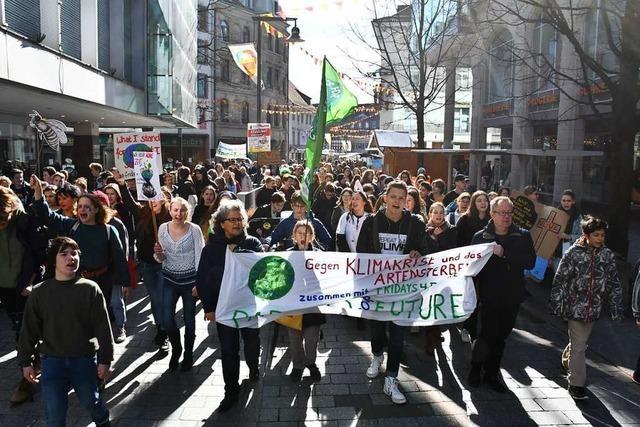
141	392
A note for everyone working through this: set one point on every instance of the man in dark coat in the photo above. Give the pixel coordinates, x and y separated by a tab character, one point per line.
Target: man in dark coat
501	290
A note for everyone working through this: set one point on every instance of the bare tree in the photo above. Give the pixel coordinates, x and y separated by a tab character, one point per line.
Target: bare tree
607	73
418	50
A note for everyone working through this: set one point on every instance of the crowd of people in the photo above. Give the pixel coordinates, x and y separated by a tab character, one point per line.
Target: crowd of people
71	251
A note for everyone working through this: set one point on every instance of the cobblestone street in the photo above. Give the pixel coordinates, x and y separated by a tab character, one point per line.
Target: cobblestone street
142	393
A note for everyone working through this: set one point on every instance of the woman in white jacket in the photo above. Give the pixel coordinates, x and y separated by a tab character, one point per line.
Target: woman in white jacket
179	247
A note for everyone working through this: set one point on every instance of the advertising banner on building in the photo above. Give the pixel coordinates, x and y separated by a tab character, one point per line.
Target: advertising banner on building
231	151
148	168
246	58
431	290
259	137
125	144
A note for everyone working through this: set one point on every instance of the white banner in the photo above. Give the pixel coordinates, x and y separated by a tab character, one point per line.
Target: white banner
435	289
147	167
125	144
259	137
231	151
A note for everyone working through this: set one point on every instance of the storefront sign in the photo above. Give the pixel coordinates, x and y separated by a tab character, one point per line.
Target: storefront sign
231	151
498	109
147	167
435	289
125	144
259	137
544	100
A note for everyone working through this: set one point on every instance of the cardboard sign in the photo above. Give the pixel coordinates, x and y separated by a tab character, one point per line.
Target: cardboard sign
269	158
147	168
259	137
546	223
125	144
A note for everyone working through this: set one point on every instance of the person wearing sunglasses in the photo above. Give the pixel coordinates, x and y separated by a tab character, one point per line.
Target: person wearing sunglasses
229	225
501	291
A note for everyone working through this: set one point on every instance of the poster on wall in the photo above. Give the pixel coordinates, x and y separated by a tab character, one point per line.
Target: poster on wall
147	168
125	144
259	137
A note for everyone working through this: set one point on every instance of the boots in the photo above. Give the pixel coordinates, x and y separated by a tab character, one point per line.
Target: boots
161	336
187	361
22	393
176	349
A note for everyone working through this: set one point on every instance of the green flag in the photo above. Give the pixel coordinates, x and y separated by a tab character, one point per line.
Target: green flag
336	103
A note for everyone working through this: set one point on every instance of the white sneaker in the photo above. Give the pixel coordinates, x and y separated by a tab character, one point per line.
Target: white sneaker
391	389
374	368
465	336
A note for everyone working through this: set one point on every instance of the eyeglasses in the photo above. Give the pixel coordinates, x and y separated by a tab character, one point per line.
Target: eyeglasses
234	220
503	213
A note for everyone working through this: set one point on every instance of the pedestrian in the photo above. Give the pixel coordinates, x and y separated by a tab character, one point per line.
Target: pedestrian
201	179
103	255
395	231
271	210
587	277
263	196
572	231
350	223
460	185
437	190
459	208
475	219
342	206
323	205
67	200
178	248
282	232
21	189
207	197
145	237
415	204
66	320
303	344
501	285
50	196
229	224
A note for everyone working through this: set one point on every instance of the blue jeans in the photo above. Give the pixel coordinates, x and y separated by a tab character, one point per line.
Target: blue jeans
59	375
152	278
118	307
171	294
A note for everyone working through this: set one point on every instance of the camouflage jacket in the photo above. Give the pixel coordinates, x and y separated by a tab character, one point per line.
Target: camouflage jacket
585	277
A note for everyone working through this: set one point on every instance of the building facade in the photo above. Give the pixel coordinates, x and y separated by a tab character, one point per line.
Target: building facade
94	64
301	120
353	133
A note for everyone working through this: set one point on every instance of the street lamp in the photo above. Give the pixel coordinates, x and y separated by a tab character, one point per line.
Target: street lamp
293	38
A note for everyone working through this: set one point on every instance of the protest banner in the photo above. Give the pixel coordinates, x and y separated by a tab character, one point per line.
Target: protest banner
231	151
435	289
270	158
147	167
259	137
125	144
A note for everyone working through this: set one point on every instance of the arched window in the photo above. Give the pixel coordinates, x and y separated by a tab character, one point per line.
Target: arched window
245	112
224	110
545	47
246	35
501	68
224	30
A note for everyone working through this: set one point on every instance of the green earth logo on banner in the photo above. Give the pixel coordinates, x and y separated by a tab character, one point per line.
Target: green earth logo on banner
271	278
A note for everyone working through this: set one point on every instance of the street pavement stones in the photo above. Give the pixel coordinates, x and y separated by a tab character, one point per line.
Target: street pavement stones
141	392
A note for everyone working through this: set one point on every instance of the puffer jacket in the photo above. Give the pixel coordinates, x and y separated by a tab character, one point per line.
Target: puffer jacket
585	277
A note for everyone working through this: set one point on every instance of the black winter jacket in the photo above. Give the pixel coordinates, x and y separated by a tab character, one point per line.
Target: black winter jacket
410	224
211	267
502	278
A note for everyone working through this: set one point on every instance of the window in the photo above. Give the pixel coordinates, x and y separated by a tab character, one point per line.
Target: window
225	70
461	120
202	86
269	113
598	38
203	19
270	78
545	44
202	118
224	31
462	78
276	80
276	119
202	52
270	41
278	42
245	112
501	68
246	79
224	110
246	35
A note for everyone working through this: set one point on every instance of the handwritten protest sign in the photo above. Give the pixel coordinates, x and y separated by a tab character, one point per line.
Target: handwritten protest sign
147	168
125	144
435	289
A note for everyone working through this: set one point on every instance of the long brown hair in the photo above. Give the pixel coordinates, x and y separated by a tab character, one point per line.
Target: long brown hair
102	215
472	213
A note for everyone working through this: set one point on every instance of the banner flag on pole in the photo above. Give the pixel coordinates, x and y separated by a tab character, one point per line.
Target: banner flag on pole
246	58
336	103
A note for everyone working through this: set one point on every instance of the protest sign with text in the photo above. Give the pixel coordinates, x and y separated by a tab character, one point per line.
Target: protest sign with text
147	168
435	289
125	144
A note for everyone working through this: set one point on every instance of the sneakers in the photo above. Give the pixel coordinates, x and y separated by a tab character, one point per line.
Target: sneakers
577	392
119	335
391	389
314	372
374	369
465	336
296	375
